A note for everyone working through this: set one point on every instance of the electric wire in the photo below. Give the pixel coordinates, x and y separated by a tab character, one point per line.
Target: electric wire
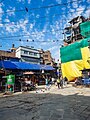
32	40
42	7
15	22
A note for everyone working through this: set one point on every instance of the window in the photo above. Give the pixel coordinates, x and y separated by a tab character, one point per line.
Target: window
30	53
46	59
46	56
25	52
35	54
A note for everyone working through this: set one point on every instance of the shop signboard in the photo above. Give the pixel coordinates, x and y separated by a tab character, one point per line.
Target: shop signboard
10	79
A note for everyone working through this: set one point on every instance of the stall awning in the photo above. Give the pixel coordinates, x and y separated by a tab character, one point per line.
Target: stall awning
24	66
7	65
46	67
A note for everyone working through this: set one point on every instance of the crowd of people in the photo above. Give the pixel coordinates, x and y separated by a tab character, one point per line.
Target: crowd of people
60	82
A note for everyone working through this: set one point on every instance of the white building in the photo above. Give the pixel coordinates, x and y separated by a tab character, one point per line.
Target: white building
29	54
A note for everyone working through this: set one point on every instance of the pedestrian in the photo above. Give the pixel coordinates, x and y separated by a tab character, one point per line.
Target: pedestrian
53	80
65	80
58	82
47	83
61	82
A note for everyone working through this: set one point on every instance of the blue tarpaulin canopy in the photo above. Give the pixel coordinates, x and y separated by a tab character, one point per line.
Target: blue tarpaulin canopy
46	67
7	65
24	66
27	66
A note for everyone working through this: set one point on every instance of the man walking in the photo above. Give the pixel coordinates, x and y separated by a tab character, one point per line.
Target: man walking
58	82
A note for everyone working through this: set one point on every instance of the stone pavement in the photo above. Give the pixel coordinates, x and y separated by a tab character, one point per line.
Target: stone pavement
69	103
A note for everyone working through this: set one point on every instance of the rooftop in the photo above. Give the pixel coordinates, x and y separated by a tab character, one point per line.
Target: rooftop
76	18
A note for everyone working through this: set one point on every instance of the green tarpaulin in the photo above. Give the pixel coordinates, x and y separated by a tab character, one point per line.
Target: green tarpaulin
85	29
73	51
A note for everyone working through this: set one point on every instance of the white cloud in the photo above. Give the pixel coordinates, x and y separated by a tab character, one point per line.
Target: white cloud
43	0
87	13
43	44
80	10
6	20
8	29
88	1
38	35
37	16
75	4
1	25
63	8
22	25
72	13
72	10
13	28
10	13
59	1
32	25
68	6
20	0
56	29
29	1
52	48
25	21
47	10
1	11
56	50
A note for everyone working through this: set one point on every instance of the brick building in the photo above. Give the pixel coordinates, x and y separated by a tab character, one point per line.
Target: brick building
6	55
48	60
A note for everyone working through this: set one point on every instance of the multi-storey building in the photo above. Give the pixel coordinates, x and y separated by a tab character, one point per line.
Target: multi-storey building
41	56
72	32
8	55
29	54
48	60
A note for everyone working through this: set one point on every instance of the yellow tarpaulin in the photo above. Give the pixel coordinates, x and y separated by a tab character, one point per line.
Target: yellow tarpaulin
71	69
85	56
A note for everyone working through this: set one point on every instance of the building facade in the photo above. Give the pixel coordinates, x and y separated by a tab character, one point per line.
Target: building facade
48	60
29	54
8	55
72	32
41	56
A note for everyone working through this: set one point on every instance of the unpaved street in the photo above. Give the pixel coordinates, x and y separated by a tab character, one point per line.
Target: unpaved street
69	103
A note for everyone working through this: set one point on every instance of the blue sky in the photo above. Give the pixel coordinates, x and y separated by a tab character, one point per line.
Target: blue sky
44	24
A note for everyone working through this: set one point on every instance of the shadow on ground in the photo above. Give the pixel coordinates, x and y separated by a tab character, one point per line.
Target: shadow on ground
30	106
